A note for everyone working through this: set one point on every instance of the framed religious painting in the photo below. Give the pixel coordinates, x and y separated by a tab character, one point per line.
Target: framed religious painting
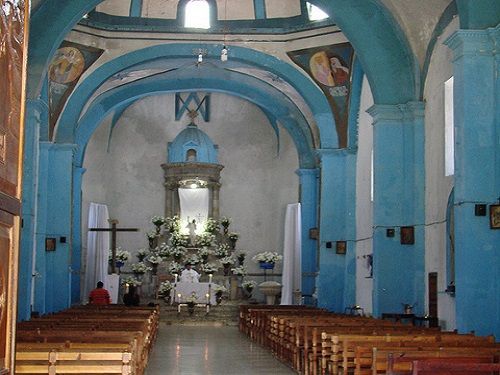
495	216
407	235
341	247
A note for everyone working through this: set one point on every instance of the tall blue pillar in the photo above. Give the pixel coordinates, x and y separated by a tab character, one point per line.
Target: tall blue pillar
36	111
477	178
309	205
53	283
336	280
76	256
399	178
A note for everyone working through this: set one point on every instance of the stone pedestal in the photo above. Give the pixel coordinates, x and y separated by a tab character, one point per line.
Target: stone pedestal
270	289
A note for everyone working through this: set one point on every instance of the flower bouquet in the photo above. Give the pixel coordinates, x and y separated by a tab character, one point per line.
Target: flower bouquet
163	250
218	290
178	252
140	268
211	225
164	289
174	268
172	224
141	254
130	280
222	251
267	259
239	271
209	268
205	239
204	253
248	287
227	262
158	221
178	239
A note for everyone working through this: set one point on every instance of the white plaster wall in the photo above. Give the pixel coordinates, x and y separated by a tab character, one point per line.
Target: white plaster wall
282	8
438	186
257	182
165	9
115	7
235	10
364	205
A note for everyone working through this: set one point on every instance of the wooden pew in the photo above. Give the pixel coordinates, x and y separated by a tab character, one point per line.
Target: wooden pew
457	366
406	366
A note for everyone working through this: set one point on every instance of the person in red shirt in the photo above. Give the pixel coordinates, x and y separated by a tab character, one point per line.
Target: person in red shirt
99	296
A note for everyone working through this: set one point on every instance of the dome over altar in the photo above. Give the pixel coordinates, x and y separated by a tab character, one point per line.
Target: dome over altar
192	145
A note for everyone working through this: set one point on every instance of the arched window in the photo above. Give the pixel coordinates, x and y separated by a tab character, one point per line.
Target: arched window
197	14
315	13
191	155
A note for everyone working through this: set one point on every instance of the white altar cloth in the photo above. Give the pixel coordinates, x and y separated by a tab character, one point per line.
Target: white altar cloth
186	290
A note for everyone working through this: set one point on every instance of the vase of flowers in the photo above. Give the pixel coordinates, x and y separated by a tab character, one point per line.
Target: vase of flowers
142	254
225	222
172	224
227	262
222	251
174	268
191	302
211	226
248	287
205	239
155	260
239	271
267	259
121	257
178	253
233	237
158	222
164	291
209	268
139	269
152	239
219	290
241	258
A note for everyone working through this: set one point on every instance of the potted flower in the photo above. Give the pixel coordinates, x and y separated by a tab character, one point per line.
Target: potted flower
178	253
241	258
204	253
152	238
233	237
205	240
121	257
174	268
211	226
267	259
155	260
218	290
222	251
140	268
164	290
227	262
209	268
239	271
172	224
178	239
191	302
225	222
248	287
163	250
141	254
130	280
158	221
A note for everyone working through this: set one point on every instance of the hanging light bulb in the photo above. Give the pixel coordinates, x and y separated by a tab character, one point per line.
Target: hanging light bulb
200	57
223	54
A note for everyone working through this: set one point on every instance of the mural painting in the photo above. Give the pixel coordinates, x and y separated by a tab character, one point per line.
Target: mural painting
70	61
330	67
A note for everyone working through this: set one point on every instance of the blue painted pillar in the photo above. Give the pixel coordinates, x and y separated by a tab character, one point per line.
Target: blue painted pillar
399	178
53	285
309	204
336	281
36	111
76	256
477	178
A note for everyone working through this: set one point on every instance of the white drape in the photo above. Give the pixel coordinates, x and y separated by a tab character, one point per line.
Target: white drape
292	263
97	248
194	206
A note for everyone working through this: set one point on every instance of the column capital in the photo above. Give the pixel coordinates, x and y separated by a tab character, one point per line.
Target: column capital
397	113
474	42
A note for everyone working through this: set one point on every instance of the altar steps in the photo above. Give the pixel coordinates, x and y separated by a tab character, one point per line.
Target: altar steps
225	314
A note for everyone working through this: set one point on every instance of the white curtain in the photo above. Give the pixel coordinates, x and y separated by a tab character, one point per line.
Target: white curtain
292	252
194	206
97	248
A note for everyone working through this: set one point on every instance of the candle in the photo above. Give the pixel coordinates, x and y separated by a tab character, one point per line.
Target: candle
175	275
210	278
208	297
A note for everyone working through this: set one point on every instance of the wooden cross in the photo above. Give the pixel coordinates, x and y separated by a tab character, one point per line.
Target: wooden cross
113	229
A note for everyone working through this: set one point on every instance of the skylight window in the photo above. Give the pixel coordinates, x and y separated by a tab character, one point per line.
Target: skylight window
197	14
315	13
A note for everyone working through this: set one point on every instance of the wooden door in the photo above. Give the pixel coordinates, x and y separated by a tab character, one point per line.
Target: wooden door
433	295
13	53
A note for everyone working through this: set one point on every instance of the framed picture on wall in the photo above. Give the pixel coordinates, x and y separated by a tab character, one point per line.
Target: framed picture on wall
50	244
341	247
495	216
407	235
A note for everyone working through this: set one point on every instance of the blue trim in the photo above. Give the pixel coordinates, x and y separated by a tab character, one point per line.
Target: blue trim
135	8
259	7
355	102
449	13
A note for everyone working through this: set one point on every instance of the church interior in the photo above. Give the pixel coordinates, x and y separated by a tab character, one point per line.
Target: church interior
352	144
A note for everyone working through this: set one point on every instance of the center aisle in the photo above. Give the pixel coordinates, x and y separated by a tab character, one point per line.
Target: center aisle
209	350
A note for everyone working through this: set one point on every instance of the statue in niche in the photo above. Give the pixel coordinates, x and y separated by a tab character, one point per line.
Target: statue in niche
192	232
191	155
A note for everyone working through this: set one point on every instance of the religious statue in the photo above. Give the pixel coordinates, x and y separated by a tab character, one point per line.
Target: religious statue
192	232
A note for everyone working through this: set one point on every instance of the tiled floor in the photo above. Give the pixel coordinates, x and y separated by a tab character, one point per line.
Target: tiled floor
206	350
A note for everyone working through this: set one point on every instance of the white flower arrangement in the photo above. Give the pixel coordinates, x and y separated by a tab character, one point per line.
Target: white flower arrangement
222	251
205	239
158	220
239	271
209	268
141	254
130	280
154	259
267	257
172	224
192	259
225	221
179	239
227	260
151	235
204	253
219	289
165	288
178	252
174	267
249	285
140	268
163	250
211	225
192	299
121	255
233	236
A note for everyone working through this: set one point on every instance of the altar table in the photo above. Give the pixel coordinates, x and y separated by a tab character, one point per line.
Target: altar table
186	290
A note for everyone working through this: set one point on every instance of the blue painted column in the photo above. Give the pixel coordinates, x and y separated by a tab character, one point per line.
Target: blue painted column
477	178
53	285
76	256
36	111
336	281
399	178
309	186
